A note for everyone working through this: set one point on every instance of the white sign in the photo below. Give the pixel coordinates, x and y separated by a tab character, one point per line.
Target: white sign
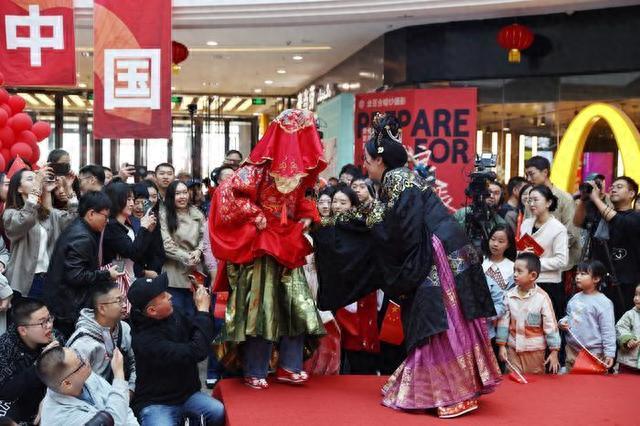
35	41
131	78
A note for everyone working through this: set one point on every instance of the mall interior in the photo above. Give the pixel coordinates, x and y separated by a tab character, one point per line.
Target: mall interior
248	60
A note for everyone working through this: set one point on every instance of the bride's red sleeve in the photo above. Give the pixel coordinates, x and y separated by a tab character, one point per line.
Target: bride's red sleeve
238	197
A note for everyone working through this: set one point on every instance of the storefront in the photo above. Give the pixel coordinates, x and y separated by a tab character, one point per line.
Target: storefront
524	109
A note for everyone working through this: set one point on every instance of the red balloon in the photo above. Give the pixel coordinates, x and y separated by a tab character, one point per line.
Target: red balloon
16	103
1	81
20	122
22	149
36	154
3	117
41	129
7	136
4	96
6	154
3	163
27	136
7	108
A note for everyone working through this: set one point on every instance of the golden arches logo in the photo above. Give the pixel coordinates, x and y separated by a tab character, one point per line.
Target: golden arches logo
567	158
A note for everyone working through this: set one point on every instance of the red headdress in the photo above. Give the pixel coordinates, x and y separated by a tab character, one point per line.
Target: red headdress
291	149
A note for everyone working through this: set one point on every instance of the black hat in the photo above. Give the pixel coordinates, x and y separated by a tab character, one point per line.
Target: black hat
143	290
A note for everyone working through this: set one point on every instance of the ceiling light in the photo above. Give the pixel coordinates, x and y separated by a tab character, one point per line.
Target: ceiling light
77	100
297	58
30	99
82	85
281	71
45	99
233	102
257	90
173	88
212	43
245	105
367	74
268	82
204	83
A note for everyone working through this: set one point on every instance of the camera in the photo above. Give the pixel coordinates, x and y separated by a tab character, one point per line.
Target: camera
586	189
479	214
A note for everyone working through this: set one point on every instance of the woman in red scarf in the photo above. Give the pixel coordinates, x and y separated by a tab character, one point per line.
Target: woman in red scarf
256	225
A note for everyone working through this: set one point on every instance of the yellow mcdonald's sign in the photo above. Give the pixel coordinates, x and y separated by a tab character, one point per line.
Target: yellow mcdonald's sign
567	158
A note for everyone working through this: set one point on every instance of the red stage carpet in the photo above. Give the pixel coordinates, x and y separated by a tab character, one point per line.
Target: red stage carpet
355	400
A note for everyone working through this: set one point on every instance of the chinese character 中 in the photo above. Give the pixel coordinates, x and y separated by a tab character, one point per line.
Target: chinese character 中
35	41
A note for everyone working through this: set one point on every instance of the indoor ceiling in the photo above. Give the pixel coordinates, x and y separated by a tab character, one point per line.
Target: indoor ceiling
252	43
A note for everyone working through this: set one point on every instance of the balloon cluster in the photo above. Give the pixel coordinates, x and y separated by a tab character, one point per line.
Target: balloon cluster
19	135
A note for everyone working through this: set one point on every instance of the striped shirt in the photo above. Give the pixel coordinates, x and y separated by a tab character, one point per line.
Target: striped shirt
529	323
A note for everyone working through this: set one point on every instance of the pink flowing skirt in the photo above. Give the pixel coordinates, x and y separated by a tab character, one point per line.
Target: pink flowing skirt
453	366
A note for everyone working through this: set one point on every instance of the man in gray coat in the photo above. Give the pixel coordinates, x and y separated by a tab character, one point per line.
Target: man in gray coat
75	394
99	331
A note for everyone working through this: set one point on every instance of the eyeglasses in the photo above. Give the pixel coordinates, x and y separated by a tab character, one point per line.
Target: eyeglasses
106	216
47	322
118	300
82	364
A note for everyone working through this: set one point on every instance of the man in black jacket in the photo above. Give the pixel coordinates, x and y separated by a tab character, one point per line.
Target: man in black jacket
74	268
167	349
20	388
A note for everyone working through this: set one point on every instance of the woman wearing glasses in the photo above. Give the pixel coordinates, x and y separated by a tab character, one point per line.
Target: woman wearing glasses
33	226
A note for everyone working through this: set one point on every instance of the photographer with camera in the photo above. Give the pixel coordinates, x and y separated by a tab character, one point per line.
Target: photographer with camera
616	238
481	216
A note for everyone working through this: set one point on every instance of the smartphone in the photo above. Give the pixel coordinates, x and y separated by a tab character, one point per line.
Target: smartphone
119	264
147	206
197	279
60	169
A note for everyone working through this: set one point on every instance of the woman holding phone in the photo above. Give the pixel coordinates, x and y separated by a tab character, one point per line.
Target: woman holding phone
33	225
182	227
120	245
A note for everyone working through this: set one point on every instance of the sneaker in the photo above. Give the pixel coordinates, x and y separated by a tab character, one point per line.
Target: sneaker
255	383
285	376
458	409
211	383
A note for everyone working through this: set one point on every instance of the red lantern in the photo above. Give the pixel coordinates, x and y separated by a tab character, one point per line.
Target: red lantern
180	53
515	37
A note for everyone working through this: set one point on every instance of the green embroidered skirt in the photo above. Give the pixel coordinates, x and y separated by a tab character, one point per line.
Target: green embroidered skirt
270	301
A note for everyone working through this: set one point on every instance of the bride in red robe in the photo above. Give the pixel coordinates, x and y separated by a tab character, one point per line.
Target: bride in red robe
256	224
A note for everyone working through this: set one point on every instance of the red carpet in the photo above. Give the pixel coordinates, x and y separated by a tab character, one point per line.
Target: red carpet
355	400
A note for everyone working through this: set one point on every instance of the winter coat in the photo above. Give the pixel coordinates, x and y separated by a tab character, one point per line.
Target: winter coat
96	343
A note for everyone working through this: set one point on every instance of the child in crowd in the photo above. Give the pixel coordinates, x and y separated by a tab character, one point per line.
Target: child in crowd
528	326
499	254
590	317
628	332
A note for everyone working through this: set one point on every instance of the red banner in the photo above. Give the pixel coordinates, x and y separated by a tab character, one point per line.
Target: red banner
132	68
439	125
37	45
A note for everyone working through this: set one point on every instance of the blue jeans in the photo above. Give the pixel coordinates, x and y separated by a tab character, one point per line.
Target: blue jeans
201	409
257	353
37	286
182	300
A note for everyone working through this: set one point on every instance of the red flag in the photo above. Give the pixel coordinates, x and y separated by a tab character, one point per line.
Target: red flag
587	363
17	165
37	43
391	330
132	68
221	304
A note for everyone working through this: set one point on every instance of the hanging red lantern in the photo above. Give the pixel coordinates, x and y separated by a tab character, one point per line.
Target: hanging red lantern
180	52
515	37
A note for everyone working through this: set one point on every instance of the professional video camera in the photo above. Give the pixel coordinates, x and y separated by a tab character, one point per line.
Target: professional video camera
478	215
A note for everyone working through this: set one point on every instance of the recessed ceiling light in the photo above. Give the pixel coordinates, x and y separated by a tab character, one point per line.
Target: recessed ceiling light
204	83
82	85
281	71
173	88
297	58
268	82
257	90
212	43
